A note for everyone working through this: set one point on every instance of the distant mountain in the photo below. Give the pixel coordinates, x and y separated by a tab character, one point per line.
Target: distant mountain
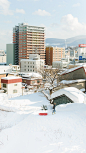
74	41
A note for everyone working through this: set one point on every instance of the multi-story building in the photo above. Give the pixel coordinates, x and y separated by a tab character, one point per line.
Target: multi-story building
54	54
82	53
2	57
33	64
28	40
10	54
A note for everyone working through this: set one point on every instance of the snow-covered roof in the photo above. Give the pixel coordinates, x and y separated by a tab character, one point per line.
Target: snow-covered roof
71	81
73	93
10	78
33	75
71	70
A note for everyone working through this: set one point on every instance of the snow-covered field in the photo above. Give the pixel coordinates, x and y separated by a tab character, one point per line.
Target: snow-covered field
22	130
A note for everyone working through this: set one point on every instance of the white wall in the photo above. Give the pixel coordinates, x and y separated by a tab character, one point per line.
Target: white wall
7	69
31	65
82	52
10	87
3	59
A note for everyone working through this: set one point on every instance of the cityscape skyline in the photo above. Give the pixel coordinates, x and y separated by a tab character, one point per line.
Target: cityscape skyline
61	19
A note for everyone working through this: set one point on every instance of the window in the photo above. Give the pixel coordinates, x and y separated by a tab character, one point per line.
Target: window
14	91
15	84
38	81
33	82
24	81
4	85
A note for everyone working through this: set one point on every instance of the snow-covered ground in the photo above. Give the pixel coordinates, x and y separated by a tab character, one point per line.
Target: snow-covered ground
22	130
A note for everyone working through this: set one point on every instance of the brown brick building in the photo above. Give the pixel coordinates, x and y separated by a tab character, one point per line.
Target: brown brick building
28	40
54	54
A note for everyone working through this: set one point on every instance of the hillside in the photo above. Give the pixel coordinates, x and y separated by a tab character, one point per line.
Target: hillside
22	130
74	41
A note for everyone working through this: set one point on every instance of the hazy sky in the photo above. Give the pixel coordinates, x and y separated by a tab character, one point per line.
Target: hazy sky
61	18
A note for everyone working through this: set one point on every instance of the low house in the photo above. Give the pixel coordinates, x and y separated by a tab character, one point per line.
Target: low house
11	84
33	80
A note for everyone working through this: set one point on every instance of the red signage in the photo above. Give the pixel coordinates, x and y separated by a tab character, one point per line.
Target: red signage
82	45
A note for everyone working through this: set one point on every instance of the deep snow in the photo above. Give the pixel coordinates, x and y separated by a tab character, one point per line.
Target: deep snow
24	131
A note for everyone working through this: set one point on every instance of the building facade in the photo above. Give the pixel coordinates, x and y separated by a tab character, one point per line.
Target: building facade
54	54
33	64
82	53
35	83
28	40
11	84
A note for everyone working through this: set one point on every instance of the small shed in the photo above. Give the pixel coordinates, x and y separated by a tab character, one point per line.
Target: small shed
68	95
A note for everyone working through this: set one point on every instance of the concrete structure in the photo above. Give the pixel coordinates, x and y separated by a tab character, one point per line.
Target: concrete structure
61	64
15	68
11	84
10	54
54	54
28	40
33	64
2	57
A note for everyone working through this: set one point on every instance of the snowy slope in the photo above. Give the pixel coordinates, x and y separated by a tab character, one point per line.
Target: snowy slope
27	132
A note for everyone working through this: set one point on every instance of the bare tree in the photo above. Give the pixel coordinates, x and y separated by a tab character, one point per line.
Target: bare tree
50	77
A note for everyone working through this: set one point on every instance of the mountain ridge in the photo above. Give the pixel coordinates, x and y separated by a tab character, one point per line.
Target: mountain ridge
73	41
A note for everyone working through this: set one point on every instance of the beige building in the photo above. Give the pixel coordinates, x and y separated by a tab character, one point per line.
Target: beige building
54	54
2	57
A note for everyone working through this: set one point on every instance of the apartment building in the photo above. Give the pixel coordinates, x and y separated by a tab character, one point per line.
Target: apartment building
28	40
33	64
54	54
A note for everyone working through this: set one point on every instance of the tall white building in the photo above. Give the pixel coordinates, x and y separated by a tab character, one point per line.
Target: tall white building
33	64
82	52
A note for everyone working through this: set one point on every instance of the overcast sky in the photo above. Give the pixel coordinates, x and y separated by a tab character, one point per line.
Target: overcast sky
61	18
